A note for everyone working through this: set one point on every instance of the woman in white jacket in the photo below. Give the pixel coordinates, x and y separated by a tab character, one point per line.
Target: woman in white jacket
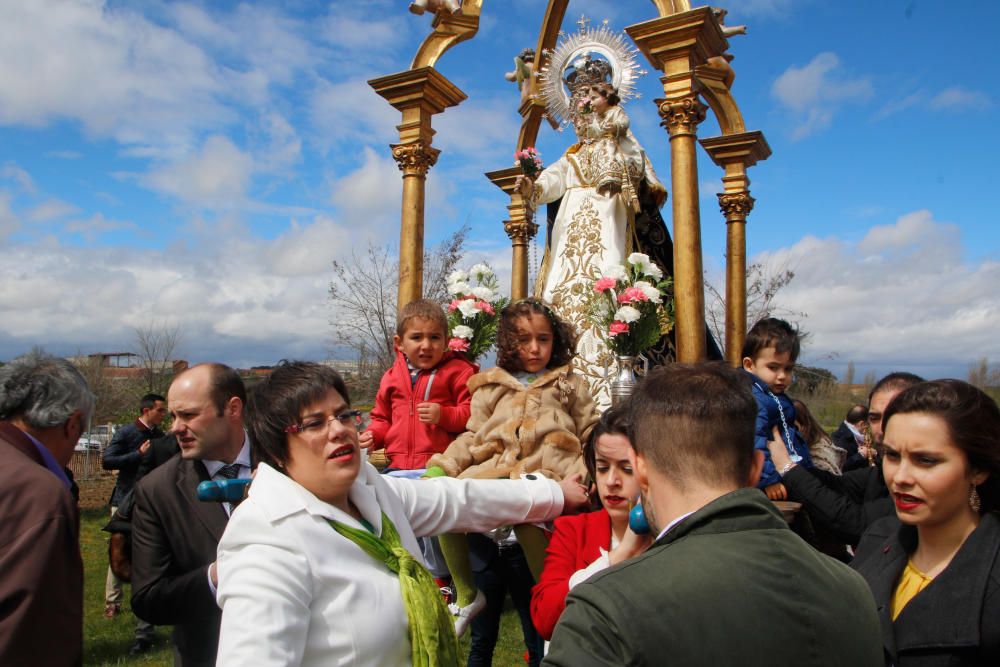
320	564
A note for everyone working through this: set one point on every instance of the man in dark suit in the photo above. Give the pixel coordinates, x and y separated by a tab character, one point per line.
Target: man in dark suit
174	535
849	436
124	454
44	407
726	582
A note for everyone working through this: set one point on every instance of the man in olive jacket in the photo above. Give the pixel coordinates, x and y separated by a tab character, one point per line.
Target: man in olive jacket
725	582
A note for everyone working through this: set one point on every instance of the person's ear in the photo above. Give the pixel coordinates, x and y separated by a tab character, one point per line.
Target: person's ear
638	462
73	428
396	340
979	476
756	468
747	364
234	407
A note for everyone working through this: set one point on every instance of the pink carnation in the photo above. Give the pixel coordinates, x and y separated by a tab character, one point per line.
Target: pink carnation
617	328
604	284
485	307
453	306
458	345
631	294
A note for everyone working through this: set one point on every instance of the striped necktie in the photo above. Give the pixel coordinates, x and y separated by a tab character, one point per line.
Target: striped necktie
231	471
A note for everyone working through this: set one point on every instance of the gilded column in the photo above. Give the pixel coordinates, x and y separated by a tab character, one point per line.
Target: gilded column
519	227
736	207
681	118
414	160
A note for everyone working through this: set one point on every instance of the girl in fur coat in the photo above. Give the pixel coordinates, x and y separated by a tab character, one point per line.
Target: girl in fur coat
530	415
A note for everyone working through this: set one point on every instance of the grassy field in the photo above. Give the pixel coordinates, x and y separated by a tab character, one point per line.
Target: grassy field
106	642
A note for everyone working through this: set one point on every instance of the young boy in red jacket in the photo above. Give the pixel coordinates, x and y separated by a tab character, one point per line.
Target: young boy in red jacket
423	401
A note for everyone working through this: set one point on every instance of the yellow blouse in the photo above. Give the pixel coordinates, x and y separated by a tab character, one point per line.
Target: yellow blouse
911	582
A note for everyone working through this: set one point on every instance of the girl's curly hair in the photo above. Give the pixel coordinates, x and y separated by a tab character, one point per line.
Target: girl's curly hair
563	335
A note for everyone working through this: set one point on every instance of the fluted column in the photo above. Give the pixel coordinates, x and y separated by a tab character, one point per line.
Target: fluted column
681	118
414	160
418	94
519	227
736	153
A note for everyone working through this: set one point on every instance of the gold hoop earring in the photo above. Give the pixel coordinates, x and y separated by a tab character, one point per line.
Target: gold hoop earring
974	502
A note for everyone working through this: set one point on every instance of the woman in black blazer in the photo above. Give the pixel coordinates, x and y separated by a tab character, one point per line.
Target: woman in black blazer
934	568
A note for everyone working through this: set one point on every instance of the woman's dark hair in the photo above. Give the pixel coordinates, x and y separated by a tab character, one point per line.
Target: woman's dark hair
278	401
563	336
973	421
808	426
612	422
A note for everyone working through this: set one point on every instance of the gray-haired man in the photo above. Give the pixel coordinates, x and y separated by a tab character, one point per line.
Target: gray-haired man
45	405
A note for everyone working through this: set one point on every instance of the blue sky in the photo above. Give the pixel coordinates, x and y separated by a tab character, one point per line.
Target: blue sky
201	164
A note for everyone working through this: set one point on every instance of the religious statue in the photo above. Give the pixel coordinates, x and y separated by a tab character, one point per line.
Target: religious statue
609	193
435	6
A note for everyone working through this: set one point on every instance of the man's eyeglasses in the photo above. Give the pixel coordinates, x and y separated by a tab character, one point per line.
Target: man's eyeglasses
317	425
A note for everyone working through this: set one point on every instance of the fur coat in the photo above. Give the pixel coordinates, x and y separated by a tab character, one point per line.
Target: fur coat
516	429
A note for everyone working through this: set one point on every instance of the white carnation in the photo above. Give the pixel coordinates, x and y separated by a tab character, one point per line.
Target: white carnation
458	276
484	293
642	262
468	308
459	288
462	331
647	288
481	271
616	271
627	314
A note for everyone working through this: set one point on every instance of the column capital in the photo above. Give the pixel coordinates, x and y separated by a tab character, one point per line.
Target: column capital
414	157
681	116
736	206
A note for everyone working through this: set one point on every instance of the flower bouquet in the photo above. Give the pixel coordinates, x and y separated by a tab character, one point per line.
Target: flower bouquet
631	305
473	312
530	162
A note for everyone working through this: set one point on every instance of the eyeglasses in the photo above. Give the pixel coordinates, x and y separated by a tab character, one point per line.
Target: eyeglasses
318	425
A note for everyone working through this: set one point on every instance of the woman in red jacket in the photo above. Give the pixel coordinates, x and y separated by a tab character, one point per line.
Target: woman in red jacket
587	543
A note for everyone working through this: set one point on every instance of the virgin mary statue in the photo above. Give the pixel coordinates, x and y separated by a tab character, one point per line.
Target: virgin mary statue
609	199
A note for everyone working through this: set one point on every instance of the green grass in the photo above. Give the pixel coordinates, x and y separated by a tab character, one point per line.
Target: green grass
106	642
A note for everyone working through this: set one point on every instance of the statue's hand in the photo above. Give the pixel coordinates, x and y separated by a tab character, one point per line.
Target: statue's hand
524	185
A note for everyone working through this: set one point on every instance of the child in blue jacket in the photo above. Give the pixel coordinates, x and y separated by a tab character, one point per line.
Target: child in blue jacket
769	355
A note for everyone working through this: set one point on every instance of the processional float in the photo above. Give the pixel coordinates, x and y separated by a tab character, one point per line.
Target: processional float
690	47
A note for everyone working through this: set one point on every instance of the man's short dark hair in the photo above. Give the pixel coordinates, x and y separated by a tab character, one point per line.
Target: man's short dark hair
857	413
772	332
895	382
148	402
695	422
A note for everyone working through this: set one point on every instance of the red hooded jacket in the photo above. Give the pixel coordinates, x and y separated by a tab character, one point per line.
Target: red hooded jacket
394	424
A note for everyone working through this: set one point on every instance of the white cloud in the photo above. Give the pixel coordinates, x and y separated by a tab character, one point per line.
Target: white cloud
217	176
903	295
957	97
951	99
90	228
9	222
17	175
350	112
369	197
50	210
814	92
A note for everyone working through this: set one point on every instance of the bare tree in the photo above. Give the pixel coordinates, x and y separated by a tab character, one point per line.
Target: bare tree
155	344
363	295
983	374
763	286
849	373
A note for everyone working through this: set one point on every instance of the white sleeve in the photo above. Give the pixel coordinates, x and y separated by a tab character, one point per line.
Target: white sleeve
551	184
265	589
580	576
445	505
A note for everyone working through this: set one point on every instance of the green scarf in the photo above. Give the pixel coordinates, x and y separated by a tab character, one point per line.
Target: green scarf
432	629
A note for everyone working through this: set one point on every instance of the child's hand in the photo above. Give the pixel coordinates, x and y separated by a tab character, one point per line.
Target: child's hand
429	413
776	491
366	439
574	493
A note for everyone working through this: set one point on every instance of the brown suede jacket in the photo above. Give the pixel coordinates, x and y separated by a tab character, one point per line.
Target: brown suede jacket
514	429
